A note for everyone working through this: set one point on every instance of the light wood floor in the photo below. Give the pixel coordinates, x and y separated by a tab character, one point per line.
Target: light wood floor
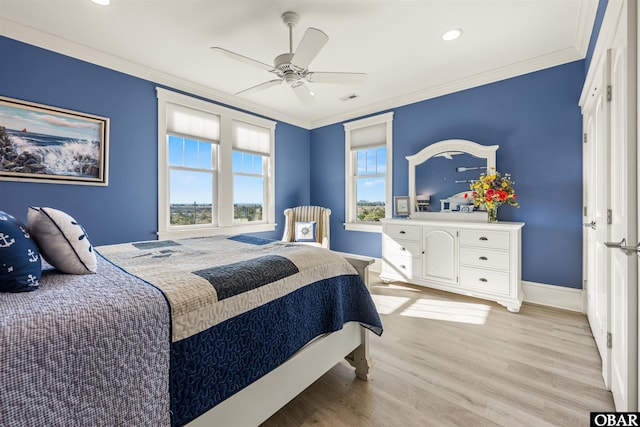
451	360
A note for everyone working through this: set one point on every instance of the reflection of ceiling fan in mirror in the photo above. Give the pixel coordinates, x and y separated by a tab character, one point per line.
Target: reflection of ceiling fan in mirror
292	67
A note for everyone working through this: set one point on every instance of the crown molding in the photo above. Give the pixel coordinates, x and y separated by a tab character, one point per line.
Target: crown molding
76	50
586	19
514	70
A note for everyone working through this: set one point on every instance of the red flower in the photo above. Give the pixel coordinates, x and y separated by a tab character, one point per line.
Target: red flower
466	195
502	195
490	192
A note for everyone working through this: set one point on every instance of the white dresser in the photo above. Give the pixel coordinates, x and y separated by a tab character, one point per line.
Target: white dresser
471	258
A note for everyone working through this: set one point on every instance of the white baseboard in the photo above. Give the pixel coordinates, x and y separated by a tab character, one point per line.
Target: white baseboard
537	293
553	296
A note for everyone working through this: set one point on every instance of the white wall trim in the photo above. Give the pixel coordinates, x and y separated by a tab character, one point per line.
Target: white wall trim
607	32
553	296
35	37
554	59
56	44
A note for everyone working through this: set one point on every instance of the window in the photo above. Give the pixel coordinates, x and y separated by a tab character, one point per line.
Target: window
214	169
191	181
368	145
250	161
248	187
370	183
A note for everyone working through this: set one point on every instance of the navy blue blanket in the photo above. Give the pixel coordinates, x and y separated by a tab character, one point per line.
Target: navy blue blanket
240	307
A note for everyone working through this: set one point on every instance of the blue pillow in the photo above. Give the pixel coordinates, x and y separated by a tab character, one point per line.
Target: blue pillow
305	231
20	267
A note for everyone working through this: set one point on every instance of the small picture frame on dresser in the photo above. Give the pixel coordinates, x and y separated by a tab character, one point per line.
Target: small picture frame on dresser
401	205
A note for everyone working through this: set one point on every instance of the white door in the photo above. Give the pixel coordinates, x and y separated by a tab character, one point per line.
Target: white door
595	197
623	203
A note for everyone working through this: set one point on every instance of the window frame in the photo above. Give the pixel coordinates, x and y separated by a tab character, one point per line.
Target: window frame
351	171
223	221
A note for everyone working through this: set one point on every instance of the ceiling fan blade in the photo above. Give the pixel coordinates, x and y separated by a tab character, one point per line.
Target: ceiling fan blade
260	87
311	43
329	77
304	94
243	58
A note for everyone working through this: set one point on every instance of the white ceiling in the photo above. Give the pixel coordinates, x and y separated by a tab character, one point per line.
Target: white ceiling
396	42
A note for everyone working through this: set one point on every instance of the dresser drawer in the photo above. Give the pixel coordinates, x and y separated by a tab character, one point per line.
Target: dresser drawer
401	247
403	232
496	282
485	239
405	266
484	258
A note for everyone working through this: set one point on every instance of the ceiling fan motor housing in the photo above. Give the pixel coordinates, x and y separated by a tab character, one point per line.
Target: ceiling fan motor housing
285	69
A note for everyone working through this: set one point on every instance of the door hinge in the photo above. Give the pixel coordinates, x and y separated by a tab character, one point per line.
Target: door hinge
584	138
609	217
609	339
609	95
584	284
584	211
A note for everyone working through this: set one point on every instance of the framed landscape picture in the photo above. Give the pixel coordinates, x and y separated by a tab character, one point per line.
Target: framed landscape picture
40	143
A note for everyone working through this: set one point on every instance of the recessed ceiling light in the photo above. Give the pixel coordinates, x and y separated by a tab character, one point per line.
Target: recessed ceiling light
452	34
102	2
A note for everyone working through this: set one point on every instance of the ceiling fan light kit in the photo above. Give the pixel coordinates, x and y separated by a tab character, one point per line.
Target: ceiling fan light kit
292	67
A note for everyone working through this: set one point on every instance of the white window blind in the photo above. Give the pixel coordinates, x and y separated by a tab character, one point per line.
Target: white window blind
251	138
370	136
189	121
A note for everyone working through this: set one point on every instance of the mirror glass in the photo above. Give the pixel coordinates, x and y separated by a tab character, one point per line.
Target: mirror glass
445	175
440	174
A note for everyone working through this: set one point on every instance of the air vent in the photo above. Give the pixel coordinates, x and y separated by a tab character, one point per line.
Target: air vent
349	97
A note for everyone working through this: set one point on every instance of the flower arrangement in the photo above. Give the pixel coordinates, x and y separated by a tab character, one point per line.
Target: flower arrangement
493	190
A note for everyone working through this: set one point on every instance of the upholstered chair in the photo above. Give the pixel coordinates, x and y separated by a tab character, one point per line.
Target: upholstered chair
307	225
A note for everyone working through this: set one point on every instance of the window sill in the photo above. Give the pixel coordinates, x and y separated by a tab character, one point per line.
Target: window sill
370	228
185	233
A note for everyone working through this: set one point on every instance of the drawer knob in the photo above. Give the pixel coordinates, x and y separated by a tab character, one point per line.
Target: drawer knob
402	266
482	279
402	232
402	249
483	258
483	238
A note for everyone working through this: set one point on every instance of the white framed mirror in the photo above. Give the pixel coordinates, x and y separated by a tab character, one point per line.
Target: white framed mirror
440	174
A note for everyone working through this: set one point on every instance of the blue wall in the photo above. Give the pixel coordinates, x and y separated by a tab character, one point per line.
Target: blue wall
125	210
602	7
534	118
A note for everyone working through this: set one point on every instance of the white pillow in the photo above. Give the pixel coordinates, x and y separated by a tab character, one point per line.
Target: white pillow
62	241
305	231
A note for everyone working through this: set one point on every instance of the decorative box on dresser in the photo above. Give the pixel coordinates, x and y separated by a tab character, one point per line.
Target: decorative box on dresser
466	257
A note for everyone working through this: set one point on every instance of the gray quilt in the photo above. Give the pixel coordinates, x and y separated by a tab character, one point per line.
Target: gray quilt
52	342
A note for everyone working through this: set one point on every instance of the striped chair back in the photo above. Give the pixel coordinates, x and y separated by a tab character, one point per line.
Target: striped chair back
304	214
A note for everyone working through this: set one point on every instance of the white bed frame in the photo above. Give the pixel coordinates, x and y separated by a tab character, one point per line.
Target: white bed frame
258	401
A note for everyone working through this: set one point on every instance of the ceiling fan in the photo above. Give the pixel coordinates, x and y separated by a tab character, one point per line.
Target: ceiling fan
292	67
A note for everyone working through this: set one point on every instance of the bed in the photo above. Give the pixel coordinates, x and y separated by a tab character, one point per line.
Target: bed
221	330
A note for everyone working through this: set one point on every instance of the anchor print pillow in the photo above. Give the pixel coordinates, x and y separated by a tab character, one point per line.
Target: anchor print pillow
62	241
20	265
306	231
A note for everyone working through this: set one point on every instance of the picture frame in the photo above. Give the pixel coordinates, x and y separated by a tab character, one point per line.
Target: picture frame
40	143
401	205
